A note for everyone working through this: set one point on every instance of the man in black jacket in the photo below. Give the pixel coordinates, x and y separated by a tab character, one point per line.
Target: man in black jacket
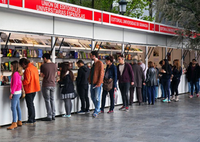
193	77
82	86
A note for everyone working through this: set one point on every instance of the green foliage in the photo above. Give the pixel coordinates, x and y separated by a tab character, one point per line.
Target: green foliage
186	13
135	8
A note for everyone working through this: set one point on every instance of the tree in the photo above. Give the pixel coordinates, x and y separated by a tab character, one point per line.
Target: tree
184	12
135	8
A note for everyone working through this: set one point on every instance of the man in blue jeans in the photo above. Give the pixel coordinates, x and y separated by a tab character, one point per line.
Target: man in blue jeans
96	79
193	77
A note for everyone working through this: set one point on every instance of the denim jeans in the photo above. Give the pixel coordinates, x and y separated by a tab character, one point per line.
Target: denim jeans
144	93
124	88
162	90
15	107
48	94
96	97
151	94
156	92
103	99
30	105
166	86
196	84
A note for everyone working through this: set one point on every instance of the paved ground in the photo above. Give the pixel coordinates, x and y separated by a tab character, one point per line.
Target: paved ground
163	122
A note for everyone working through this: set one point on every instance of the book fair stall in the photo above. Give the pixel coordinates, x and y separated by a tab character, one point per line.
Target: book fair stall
69	33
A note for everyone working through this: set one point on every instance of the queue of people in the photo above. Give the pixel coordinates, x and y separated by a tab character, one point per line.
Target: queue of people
129	76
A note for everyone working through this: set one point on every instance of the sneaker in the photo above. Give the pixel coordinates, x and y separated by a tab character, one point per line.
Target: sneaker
29	123
173	98
110	111
53	118
66	116
197	95
95	115
165	100
176	99
126	109
121	108
101	111
169	101
190	96
81	112
87	112
46	119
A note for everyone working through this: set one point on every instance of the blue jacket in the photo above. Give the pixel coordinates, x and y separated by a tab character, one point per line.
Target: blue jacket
112	73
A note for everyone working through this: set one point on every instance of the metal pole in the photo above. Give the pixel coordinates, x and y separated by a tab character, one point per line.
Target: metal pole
122	49
182	58
146	59
52	47
165	52
93	45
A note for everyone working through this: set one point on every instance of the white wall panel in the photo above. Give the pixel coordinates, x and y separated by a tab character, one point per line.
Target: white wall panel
73	28
15	21
173	42
135	37
156	39
108	33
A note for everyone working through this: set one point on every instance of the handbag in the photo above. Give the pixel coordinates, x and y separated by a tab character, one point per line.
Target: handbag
107	84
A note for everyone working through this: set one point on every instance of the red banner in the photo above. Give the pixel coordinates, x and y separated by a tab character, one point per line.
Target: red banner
106	18
154	27
168	30
129	22
97	16
3	1
15	3
60	9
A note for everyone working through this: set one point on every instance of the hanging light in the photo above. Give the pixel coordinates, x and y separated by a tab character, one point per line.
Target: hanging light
122	6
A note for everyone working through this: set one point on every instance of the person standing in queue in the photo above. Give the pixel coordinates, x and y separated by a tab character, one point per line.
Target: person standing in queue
82	86
96	79
176	77
49	72
151	82
125	77
138	82
193	77
144	88
67	87
16	92
111	86
166	76
31	86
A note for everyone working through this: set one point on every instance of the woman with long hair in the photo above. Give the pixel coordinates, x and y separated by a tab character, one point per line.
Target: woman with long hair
16	91
176	76
67	87
166	75
151	82
110	73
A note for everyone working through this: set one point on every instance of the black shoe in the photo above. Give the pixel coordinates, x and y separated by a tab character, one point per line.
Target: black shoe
46	119
53	118
29	123
130	104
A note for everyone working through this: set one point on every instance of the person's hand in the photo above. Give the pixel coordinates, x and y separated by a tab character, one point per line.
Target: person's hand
144	83
132	83
11	95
